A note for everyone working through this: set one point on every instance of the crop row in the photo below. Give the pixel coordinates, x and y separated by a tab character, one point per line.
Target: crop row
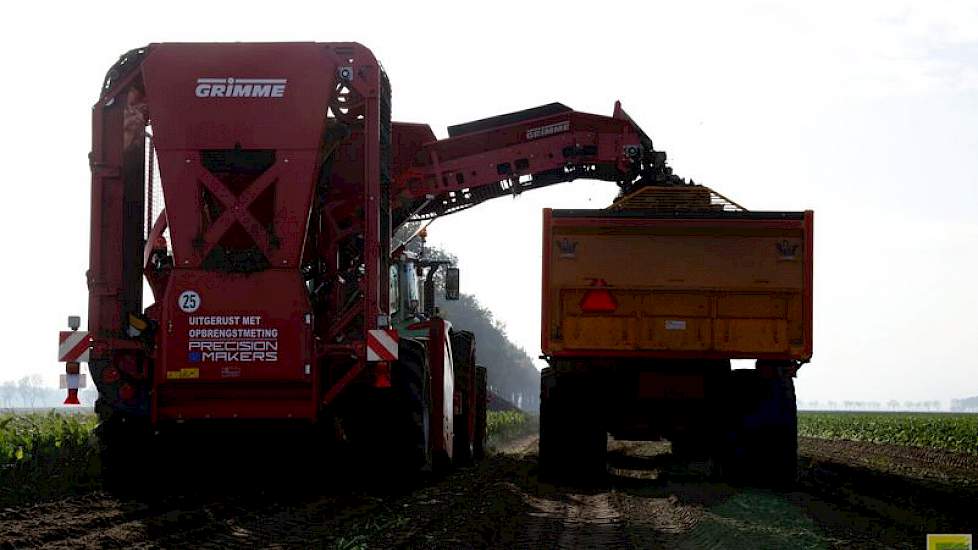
42	454
949	431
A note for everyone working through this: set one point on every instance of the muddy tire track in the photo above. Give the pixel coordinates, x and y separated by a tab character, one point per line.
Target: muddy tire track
850	495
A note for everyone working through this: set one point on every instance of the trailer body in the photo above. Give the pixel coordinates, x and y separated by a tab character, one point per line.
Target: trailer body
732	285
645	305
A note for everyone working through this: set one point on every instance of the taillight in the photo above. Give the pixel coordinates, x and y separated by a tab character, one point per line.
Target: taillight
110	375
382	374
127	392
598	299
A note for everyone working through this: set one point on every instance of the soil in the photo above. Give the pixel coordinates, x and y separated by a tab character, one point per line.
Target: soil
849	495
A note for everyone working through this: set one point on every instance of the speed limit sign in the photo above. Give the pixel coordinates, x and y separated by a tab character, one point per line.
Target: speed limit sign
189	301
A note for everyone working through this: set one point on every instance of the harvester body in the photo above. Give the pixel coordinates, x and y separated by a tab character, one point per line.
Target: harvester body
269	250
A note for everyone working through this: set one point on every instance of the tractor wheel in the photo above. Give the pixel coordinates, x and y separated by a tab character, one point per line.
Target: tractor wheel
412	404
463	362
762	443
481	395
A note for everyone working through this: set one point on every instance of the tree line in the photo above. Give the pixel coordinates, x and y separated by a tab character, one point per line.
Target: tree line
30	392
891	405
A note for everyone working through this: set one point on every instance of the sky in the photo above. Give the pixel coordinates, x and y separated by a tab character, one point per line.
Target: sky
865	112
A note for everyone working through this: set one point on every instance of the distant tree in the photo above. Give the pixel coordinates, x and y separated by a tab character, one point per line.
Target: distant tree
88	395
968	404
8	393
833	405
31	390
893	404
511	372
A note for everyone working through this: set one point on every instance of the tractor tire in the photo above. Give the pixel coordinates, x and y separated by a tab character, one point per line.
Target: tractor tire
412	404
481	396
463	362
762	442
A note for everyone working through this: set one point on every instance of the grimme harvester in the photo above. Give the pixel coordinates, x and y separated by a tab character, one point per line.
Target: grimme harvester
278	295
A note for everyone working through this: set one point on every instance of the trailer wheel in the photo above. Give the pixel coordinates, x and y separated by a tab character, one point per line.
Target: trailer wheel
552	438
762	442
573	439
481	395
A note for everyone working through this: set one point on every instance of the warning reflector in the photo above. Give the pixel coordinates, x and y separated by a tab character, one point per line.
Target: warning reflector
382	345
598	299
73	381
73	345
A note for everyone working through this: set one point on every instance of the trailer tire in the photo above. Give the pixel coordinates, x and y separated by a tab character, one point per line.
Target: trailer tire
481	396
463	363
573	439
552	444
762	444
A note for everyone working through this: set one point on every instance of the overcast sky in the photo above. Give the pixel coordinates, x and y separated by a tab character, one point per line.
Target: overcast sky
866	112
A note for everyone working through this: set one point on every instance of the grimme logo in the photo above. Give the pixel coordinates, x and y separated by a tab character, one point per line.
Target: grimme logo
240	87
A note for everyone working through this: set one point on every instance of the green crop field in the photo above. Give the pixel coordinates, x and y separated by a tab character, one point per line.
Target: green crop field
46	454
502	426
948	431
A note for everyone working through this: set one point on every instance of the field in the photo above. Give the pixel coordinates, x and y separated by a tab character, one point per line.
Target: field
947	431
46	454
889	485
49	454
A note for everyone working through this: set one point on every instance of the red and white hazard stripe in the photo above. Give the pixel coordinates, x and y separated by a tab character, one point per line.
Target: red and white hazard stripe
73	346
382	345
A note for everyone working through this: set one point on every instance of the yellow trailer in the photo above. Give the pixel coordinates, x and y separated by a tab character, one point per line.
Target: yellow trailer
644	306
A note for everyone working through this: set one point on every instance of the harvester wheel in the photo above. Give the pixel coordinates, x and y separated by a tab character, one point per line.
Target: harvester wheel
124	450
481	396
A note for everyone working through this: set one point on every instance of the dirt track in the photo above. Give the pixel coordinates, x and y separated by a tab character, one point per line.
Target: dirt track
851	495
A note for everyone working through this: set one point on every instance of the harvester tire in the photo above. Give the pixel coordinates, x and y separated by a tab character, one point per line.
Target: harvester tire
124	451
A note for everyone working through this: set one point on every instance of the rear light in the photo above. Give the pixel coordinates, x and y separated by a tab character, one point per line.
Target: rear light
127	392
110	375
598	299
382	375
